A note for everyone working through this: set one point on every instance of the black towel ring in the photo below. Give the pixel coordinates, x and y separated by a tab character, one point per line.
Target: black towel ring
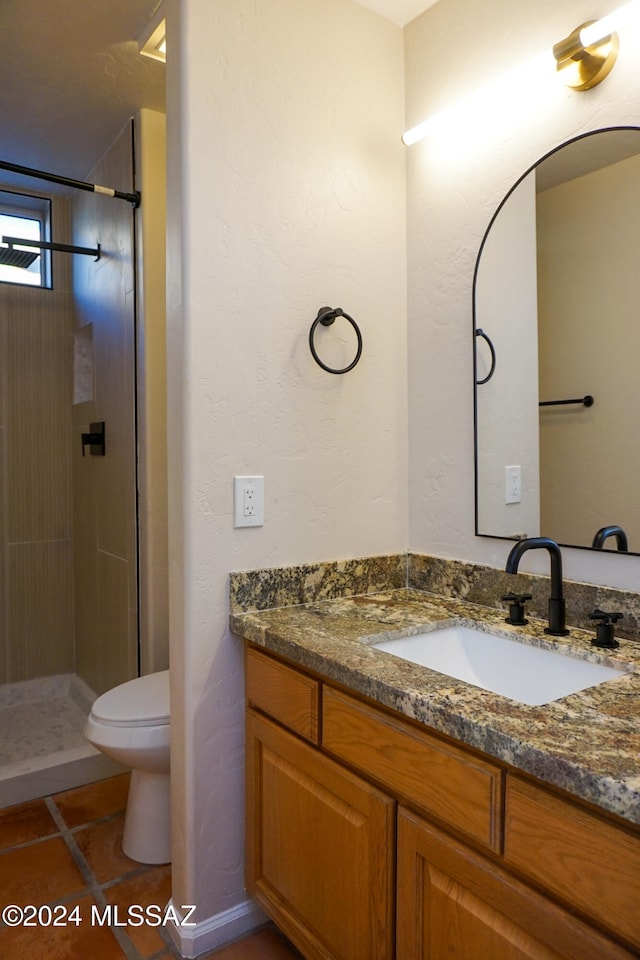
326	316
481	333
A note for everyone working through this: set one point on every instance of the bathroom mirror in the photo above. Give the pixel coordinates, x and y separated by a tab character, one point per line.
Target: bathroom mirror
556	312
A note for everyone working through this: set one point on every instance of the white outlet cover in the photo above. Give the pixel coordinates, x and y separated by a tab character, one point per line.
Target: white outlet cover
513	484
248	489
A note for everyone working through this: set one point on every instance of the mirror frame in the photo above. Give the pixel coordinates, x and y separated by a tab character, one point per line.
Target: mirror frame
560	146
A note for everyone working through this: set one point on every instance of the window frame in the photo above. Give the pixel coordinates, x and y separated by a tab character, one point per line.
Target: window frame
15	203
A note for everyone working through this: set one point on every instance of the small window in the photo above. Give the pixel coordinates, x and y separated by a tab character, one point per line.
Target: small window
24	217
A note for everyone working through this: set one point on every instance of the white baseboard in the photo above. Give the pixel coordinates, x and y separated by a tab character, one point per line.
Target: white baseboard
216	931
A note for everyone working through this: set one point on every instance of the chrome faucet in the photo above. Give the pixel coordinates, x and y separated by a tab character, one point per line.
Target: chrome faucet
556	601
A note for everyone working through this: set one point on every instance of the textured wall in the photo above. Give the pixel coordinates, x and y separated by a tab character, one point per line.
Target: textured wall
287	145
456	179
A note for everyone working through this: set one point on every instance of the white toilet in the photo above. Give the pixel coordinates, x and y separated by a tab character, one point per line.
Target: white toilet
130	724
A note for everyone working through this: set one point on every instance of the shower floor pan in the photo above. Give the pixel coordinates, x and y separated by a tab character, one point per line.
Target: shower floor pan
42	747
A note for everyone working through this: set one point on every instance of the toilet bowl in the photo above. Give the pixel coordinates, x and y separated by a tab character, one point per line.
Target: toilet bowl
130	724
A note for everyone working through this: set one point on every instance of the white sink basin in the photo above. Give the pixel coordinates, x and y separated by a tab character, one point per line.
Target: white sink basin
497	663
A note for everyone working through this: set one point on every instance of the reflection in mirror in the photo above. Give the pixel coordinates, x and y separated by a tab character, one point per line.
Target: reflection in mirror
557	291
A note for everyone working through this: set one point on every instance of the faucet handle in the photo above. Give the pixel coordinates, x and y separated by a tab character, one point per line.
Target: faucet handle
604	630
516	608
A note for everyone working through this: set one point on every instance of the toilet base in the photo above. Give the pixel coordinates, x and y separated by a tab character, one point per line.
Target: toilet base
147	824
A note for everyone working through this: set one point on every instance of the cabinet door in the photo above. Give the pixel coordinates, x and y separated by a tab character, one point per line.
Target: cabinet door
455	904
320	848
593	865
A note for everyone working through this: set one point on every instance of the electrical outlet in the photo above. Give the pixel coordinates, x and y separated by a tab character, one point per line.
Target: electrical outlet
513	484
248	501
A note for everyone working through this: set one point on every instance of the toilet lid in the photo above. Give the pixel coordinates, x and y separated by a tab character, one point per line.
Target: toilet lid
140	702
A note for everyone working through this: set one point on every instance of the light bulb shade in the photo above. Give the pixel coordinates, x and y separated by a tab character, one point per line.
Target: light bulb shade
409	137
596	31
581	66
153	40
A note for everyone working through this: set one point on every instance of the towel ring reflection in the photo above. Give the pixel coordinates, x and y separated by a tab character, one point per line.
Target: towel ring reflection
326	316
481	333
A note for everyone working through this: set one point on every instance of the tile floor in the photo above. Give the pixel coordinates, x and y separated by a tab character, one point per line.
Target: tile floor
63	852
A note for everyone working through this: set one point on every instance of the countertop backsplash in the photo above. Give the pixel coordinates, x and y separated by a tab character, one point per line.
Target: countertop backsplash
252	590
309	583
487	585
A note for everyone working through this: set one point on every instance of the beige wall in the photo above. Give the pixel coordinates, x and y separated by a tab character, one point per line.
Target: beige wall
36	610
104	488
286	193
151	177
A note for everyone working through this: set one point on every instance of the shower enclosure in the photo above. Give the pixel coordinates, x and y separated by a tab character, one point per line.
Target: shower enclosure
68	524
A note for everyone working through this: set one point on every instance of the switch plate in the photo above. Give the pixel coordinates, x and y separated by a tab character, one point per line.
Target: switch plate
513	484
248	501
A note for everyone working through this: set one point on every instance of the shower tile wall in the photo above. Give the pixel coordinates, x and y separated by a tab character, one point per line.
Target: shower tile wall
104	503
36	588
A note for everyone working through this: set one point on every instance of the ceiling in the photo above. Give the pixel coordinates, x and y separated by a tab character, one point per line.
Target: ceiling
71	76
399	11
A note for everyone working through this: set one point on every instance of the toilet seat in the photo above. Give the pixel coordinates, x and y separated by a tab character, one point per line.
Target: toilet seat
143	702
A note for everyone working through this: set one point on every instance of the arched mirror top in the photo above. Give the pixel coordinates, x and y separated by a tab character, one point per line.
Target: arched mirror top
556	295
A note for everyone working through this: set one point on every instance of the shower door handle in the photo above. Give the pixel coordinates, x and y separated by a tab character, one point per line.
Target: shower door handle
94	440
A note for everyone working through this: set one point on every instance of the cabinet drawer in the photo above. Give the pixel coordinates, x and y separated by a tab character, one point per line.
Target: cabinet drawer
289	697
592	864
451	785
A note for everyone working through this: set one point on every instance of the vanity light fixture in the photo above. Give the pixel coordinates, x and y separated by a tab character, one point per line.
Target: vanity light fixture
583	59
153	41
586	56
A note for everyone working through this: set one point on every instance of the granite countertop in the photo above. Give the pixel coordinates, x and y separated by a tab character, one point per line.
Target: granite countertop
587	743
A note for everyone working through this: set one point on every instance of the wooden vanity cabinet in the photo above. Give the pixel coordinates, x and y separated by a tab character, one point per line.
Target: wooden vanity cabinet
321	848
488	865
455	904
